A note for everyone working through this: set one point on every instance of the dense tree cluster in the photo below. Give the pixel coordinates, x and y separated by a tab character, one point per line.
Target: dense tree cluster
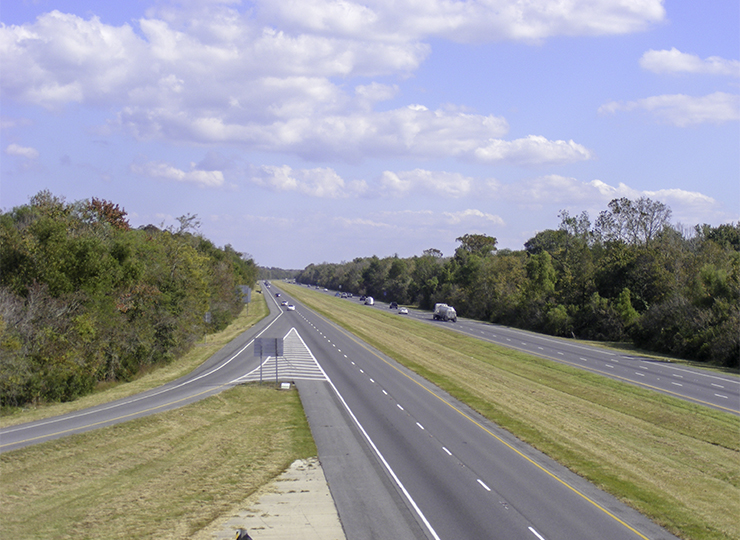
84	298
269	273
632	275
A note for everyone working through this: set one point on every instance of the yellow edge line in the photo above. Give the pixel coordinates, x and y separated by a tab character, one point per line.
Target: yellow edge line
560	480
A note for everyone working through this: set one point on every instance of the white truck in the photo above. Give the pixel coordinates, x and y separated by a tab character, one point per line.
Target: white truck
443	312
369	301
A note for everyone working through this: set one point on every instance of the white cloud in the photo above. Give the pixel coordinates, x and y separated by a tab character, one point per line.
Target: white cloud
165	171
674	61
362	223
548	193
21	151
418	223
270	79
471	216
372	93
321	182
562	191
532	150
302	128
543	190
419	181
63	58
681	110
470	21
689	207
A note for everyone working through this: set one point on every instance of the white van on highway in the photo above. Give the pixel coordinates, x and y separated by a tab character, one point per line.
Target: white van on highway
443	312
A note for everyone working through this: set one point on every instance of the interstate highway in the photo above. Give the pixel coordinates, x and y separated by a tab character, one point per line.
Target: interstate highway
403	459
459	475
704	387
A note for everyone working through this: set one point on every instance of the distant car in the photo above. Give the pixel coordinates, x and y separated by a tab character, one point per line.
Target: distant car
291	307
403	311
393	305
277	294
284	303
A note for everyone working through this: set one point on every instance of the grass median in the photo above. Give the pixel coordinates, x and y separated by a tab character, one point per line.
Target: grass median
164	476
676	462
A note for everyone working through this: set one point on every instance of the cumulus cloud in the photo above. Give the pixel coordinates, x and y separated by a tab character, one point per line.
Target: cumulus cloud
63	58
471	216
543	190
165	171
689	207
682	110
562	191
470	21
425	220
372	93
418	181
675	61
412	131
266	78
324	182
320	182
362	223
532	150
21	151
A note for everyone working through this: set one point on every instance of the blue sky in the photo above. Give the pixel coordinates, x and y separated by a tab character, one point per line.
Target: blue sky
308	131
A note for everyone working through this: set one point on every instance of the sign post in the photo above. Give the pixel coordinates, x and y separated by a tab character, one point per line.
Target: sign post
268	347
246	293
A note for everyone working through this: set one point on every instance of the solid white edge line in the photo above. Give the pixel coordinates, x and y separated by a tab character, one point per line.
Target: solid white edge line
375	449
538	535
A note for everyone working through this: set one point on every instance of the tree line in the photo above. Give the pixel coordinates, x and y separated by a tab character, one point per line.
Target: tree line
629	276
84	298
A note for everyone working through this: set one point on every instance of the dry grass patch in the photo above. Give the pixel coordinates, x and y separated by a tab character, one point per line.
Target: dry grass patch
674	461
164	476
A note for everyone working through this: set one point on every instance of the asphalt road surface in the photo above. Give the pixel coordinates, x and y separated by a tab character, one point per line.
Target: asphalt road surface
403	459
459	475
708	388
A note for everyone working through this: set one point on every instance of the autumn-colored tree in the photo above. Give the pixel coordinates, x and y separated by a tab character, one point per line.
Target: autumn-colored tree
107	212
